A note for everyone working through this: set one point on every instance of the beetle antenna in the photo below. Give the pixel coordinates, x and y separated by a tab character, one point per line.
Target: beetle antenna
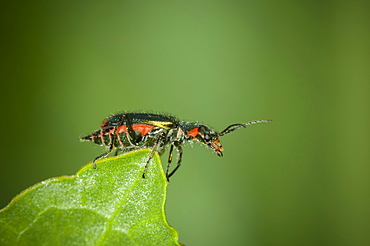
234	127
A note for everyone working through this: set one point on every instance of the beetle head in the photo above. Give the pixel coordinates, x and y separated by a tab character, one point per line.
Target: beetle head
209	137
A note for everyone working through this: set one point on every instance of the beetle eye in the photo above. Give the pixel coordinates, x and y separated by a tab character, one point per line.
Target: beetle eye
207	137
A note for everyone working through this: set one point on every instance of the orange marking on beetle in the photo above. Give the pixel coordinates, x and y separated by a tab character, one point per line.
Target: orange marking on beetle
141	128
193	132
104	122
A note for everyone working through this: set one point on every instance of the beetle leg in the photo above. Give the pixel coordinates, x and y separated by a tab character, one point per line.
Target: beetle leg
169	160
179	157
112	139
103	155
131	136
154	149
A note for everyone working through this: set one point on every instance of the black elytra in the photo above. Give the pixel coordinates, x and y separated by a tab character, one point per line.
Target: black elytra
130	131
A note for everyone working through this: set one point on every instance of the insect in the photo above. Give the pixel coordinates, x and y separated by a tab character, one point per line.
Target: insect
129	131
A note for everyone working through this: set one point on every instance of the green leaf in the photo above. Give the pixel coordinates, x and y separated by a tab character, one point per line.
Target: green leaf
110	205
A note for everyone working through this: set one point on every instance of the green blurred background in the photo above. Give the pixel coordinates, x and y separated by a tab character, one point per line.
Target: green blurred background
300	180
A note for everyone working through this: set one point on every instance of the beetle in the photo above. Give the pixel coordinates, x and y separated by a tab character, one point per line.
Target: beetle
129	131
